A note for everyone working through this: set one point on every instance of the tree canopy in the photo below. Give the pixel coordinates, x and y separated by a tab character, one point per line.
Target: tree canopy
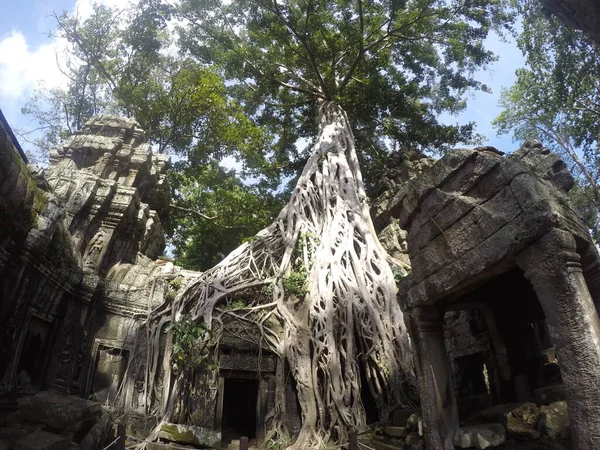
392	66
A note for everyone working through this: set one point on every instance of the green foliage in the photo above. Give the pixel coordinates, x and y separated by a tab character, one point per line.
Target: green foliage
268	289
392	66
235	304
243	86
295	283
173	288
398	273
275	444
176	283
119	61
235	211
189	343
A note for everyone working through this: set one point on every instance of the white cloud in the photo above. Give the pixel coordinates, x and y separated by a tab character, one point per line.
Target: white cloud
23	68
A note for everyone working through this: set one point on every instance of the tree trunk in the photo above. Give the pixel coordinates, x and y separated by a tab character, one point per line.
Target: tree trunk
333	295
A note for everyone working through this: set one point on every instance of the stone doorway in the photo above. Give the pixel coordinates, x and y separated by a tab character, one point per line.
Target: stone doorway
30	370
110	367
240	408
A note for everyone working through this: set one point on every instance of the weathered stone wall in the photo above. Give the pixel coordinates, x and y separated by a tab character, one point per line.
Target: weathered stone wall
80	270
497	234
78	260
38	267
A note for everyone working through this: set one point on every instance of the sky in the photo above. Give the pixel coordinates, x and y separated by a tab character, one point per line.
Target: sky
29	53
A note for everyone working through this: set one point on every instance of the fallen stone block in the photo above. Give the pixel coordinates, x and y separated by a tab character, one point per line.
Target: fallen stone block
414	442
482	436
519	419
400	416
61	412
396	432
554	421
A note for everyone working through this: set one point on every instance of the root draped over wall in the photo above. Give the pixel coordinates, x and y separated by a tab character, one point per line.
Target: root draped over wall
322	294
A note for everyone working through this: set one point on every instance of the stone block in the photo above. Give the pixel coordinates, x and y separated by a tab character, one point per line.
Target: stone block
554	420
472	172
435	176
61	412
520	419
472	229
482	436
463	272
189	434
400	416
97	433
396	432
549	394
42	440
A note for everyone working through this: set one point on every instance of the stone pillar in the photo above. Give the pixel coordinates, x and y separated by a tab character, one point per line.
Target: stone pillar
438	404
590	262
552	265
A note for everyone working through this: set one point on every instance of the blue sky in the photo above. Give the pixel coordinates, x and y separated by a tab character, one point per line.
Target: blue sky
28	57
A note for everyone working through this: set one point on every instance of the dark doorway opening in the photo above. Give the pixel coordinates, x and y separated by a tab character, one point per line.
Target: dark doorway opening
366	397
33	353
519	320
239	408
470	376
111	364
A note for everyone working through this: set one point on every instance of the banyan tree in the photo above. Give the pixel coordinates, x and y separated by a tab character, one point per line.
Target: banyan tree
317	282
323	295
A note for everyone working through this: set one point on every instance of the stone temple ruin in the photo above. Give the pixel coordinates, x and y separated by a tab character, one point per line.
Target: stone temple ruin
500	293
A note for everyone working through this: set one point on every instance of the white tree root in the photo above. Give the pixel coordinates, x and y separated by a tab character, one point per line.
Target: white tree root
348	316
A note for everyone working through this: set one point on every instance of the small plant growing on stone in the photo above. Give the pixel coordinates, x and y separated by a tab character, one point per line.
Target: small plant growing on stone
398	274
235	304
189	343
295	283
173	288
176	283
268	289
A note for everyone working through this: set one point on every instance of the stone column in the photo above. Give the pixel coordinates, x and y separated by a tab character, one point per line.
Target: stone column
438	404
552	265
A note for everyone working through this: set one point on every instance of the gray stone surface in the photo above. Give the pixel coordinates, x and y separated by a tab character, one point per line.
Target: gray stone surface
519	419
554	420
549	394
400	416
480	436
472	216
58	411
189	434
42	440
97	434
79	260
